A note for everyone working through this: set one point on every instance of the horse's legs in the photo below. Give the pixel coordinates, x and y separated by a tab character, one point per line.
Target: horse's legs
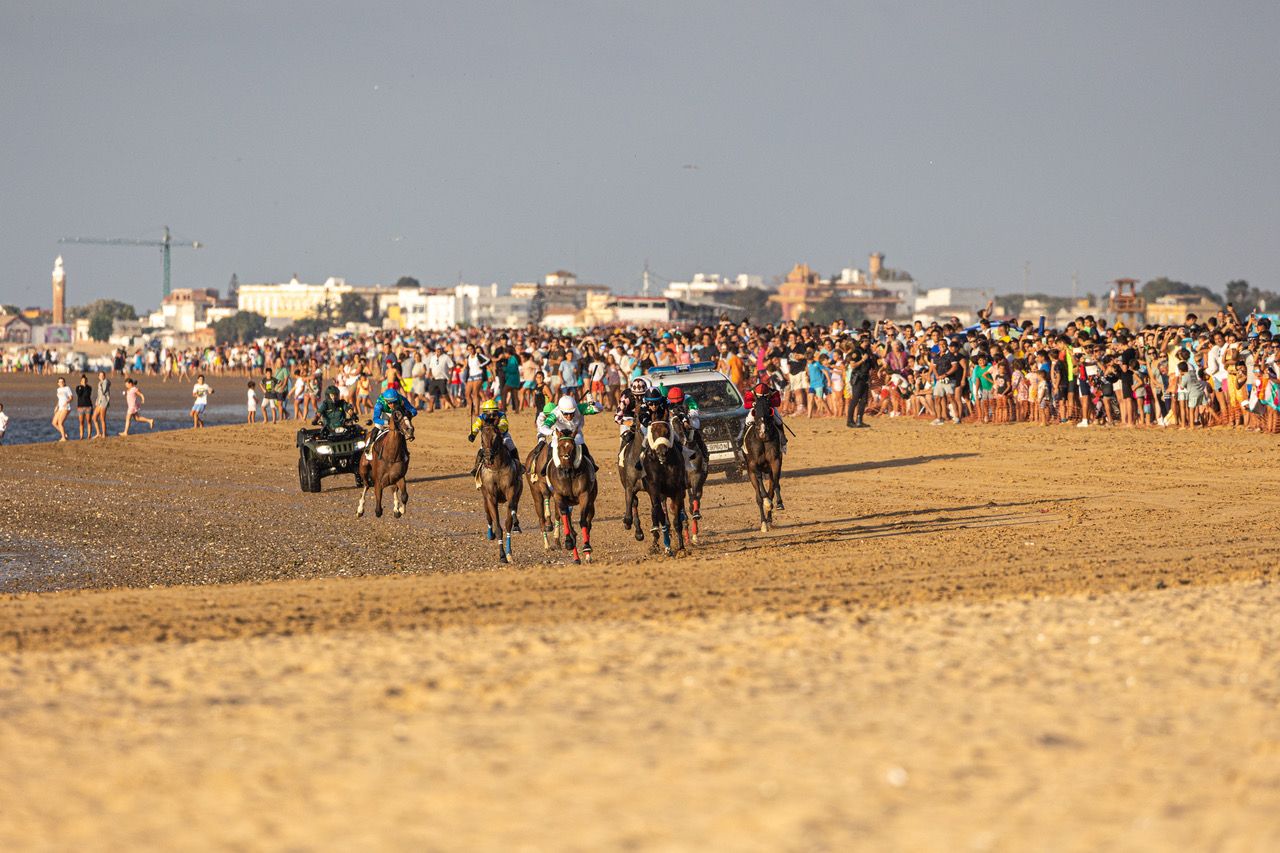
511	523
659	528
360	506
378	486
588	515
634	507
677	510
754	473
628	501
399	494
777	483
566	518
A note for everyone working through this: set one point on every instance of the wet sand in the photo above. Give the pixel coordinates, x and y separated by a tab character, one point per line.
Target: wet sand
956	638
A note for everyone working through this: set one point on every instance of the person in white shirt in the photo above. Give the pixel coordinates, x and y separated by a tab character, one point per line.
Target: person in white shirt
4	423
63	407
200	392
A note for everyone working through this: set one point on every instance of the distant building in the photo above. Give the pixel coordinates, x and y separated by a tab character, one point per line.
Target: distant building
15	329
461	305
804	290
297	300
1173	309
943	303
558	295
185	310
710	287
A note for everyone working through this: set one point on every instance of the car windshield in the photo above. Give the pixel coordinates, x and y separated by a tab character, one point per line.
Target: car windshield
715	395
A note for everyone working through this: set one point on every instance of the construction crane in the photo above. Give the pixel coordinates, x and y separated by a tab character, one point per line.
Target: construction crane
164	244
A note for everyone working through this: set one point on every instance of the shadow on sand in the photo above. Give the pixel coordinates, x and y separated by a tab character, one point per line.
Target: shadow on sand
871	466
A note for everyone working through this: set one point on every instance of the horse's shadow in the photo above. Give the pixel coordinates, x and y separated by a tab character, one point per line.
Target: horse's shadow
848	467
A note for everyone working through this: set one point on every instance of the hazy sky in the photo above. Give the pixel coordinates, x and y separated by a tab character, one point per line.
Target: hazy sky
503	140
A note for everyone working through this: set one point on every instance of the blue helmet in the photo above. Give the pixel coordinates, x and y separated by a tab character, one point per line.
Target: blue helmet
390	396
653	395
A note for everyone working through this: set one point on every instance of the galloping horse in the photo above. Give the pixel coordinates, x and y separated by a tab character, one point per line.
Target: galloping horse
666	482
540	491
573	483
632	477
500	482
697	477
763	447
388	468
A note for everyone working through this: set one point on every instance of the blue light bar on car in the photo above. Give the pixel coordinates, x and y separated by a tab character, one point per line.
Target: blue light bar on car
683	368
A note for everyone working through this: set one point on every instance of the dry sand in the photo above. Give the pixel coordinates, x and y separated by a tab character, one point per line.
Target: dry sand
957	638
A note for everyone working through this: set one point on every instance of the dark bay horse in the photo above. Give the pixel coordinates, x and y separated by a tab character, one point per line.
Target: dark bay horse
762	445
697	477
632	477
500	482
666	482
540	491
388	468
573	483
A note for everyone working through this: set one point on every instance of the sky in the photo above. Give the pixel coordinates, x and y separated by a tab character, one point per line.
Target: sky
500	141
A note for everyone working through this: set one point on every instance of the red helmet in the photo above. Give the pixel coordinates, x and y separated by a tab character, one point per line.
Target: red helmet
761	390
675	395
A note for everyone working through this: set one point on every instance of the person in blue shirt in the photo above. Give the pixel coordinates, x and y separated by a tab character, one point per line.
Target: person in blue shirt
387	400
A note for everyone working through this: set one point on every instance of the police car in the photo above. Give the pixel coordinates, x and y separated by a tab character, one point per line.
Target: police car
719	406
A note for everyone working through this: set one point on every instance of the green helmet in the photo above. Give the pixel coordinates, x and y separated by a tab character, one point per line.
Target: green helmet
331	391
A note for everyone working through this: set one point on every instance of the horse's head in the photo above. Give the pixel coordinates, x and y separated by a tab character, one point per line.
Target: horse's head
401	423
761	406
565	447
490	441
659	436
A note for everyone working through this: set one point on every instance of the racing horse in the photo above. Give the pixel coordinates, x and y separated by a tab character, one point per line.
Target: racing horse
666	482
632	476
500	482
697	477
540	491
385	464
572	481
762	445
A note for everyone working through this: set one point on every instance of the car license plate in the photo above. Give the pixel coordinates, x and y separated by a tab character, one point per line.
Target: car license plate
720	457
714	446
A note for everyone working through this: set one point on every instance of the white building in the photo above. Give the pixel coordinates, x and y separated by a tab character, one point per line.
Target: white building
297	300
709	287
462	305
939	303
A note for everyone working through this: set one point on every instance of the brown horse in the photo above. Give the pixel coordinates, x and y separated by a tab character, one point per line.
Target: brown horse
500	482
763	448
540	491
667	482
573	483
388	467
697	477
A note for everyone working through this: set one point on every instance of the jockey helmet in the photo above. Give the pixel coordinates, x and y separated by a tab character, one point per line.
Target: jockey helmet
653	396
489	407
675	395
761	390
567	406
331	391
390	397
639	386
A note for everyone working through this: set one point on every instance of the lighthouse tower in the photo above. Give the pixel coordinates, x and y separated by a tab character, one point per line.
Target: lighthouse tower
59	292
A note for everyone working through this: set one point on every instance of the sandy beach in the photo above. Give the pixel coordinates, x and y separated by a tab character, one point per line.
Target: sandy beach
933	650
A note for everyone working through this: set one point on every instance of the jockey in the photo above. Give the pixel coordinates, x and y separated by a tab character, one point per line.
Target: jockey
686	409
775	400
625	416
568	417
491	413
387	400
653	407
334	413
